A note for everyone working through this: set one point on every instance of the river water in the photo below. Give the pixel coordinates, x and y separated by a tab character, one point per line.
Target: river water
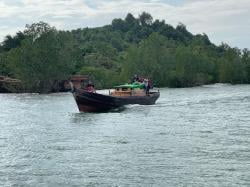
191	137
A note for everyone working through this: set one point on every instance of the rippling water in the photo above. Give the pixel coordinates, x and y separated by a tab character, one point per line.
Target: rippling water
191	137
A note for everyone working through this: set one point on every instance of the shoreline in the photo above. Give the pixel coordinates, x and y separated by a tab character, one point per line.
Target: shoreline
102	89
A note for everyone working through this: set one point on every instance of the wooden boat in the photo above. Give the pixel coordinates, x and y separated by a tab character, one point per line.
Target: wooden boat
88	101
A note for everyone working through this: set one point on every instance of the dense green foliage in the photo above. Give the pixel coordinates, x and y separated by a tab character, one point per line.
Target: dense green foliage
44	58
41	56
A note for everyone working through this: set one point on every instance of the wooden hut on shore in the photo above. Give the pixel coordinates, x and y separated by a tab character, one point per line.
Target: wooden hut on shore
78	81
10	85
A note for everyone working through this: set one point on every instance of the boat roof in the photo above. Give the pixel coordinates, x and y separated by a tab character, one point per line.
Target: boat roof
134	85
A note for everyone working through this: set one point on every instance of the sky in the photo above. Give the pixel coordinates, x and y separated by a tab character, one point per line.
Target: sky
222	20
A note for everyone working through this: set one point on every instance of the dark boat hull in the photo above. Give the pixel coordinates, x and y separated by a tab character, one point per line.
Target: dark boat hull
94	102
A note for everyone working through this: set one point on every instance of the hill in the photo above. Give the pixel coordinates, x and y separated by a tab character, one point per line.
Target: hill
172	56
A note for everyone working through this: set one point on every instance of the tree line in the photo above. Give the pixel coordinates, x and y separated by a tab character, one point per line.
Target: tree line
41	56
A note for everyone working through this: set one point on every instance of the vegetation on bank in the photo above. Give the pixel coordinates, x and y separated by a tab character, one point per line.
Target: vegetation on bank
41	56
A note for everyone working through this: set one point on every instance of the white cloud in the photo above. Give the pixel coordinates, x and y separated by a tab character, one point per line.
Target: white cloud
222	20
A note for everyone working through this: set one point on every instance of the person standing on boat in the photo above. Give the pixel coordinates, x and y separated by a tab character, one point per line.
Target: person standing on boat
150	83
135	78
146	86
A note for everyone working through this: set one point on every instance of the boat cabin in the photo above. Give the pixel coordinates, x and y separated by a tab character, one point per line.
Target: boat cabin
135	89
